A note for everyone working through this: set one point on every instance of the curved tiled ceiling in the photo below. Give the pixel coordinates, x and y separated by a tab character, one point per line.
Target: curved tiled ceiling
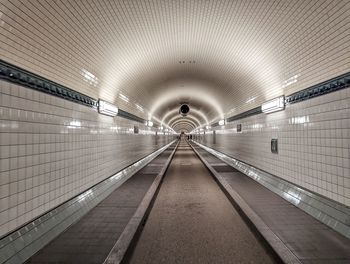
148	57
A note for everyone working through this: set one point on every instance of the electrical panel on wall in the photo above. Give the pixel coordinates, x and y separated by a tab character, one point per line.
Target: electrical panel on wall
274	145
136	129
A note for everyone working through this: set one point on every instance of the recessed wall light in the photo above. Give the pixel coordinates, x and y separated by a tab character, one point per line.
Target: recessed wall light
107	108
222	122
273	105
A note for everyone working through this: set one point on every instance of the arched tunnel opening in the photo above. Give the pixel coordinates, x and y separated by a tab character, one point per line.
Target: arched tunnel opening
174	131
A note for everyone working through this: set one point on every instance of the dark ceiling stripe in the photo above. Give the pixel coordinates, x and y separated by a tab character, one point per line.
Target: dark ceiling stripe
130	116
332	85
25	78
17	75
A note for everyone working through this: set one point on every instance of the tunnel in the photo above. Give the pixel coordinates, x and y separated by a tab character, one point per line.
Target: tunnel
175	131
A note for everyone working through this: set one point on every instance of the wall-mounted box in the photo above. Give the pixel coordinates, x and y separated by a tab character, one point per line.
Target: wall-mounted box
274	145
106	108
136	129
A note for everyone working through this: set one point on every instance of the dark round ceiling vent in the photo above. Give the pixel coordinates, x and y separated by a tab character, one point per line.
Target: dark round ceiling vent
184	109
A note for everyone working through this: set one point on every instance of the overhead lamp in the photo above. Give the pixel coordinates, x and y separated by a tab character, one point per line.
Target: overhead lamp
273	105
149	123
161	128
222	122
207	127
107	108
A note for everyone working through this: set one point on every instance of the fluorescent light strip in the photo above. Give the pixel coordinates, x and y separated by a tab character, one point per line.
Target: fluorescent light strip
107	108
222	122
273	105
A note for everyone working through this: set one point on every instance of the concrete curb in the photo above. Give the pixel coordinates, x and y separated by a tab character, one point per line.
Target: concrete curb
270	237
120	248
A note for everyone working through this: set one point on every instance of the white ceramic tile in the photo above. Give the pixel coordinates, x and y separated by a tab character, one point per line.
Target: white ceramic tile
313	141
46	158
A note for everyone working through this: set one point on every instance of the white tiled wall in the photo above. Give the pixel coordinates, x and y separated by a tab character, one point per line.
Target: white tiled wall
313	141
53	149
